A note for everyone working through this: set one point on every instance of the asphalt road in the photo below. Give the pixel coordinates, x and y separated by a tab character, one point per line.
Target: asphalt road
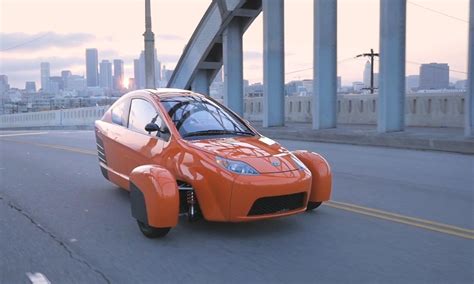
397	216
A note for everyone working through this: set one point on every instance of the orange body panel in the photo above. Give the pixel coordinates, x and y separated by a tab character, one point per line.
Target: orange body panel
160	193
321	172
248	189
222	195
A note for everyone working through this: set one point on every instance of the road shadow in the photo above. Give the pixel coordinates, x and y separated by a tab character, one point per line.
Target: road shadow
255	229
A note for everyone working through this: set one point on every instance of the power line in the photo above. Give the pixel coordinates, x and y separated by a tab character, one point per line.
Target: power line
407	61
437	67
311	68
438	12
26	42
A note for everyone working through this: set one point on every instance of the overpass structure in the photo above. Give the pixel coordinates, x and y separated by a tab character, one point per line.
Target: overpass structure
217	41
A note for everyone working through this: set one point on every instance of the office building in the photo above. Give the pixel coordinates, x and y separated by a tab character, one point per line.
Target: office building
30	87
45	74
434	76
166	74
118	74
139	71
358	86
77	83
65	75
4	86
367	73
105	75
92	62
412	83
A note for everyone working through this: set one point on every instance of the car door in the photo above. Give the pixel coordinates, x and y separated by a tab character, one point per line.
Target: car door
114	138
143	147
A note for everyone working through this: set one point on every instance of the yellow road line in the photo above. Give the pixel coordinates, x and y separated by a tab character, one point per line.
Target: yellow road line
446	226
22	134
70	149
59	147
398	218
390	217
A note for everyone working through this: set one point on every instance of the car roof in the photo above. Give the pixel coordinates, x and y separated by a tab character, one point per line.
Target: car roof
167	92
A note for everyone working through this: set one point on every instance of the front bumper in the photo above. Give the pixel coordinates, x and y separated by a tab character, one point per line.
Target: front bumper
269	195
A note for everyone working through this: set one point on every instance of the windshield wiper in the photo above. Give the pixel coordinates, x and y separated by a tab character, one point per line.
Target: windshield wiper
217	132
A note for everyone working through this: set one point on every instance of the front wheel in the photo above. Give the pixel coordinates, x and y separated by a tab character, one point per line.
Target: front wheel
152	232
313	205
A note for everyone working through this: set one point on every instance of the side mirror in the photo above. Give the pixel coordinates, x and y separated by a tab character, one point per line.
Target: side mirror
152	127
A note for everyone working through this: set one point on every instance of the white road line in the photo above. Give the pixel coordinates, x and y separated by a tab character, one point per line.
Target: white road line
22	134
37	278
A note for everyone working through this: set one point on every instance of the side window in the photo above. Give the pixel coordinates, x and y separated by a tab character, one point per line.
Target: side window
117	114
142	113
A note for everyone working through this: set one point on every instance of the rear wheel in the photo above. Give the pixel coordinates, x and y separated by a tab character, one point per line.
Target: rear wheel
152	232
313	205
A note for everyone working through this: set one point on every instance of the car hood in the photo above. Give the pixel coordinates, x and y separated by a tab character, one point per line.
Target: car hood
262	153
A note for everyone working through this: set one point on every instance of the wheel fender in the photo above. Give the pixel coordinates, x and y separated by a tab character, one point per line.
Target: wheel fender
154	196
321	183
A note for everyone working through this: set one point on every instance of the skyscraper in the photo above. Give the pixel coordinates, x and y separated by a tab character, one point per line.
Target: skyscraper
139	71
434	76
105	74
45	74
118	74
367	74
92	62
65	75
4	86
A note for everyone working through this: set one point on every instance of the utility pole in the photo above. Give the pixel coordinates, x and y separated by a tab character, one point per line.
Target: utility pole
371	55
149	49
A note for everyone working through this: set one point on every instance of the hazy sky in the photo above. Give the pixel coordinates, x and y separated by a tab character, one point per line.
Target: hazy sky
115	27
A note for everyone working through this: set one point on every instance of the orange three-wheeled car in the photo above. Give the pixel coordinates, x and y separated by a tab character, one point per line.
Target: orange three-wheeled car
179	152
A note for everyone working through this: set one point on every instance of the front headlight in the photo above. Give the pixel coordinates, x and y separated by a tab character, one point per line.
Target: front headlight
238	167
299	164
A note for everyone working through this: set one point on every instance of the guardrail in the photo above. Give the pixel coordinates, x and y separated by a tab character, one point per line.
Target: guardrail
425	110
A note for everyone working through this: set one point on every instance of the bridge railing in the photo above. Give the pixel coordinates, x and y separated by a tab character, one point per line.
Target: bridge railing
65	117
425	110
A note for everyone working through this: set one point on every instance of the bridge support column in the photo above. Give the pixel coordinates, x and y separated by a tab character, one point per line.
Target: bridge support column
273	63
233	67
391	104
325	64
469	101
201	83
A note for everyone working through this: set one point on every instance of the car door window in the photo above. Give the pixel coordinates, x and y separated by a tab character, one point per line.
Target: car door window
118	114
141	113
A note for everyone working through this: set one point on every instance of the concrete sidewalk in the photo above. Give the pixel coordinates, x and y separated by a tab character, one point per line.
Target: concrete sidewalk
420	138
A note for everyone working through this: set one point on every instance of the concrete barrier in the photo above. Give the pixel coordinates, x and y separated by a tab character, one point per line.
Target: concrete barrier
424	110
54	118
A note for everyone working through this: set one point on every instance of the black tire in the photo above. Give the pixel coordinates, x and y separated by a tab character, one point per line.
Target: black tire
313	205
152	232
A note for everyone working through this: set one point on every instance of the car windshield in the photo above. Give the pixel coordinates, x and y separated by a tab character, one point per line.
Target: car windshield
195	117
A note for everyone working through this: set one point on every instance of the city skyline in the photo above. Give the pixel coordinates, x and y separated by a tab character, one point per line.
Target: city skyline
434	38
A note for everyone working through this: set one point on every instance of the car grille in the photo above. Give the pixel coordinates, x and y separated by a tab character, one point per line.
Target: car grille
277	204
